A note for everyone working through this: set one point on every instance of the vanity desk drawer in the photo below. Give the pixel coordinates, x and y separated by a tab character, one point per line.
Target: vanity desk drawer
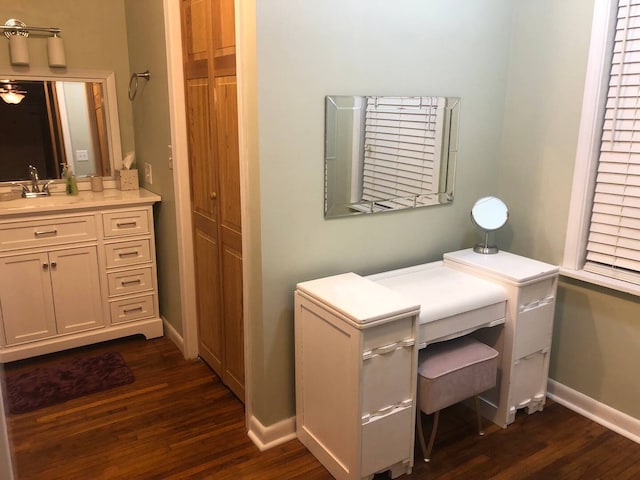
54	231
130	309
128	253
130	281
122	223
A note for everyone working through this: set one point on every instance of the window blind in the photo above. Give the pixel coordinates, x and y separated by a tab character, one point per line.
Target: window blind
402	150
613	247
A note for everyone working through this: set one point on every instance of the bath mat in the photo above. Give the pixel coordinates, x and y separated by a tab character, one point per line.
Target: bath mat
57	383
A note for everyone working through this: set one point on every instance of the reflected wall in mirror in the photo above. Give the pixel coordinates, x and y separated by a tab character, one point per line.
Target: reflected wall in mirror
59	120
387	153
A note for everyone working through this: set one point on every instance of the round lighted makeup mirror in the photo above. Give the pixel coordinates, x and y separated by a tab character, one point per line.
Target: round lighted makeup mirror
488	215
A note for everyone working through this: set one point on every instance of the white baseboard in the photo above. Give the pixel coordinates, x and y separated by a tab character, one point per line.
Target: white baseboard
172	334
273	435
613	419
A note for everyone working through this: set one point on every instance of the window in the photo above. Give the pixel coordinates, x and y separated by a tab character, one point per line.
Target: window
603	241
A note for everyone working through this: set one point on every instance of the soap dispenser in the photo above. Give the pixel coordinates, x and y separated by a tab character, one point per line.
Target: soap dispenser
70	179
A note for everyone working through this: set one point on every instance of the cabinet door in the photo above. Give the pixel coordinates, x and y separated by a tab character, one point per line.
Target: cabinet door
26	298
76	289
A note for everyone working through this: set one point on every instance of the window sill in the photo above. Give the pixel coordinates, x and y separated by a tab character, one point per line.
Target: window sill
601	281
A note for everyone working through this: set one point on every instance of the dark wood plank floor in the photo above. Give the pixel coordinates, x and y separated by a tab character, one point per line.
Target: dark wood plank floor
177	421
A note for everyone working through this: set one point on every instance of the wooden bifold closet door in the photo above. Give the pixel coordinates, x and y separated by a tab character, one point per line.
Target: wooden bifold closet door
208	35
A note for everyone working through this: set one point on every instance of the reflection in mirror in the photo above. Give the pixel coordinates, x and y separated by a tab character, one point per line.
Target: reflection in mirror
488	215
388	153
58	121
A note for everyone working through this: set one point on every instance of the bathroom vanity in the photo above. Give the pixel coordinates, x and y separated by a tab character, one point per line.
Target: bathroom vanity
357	340
76	270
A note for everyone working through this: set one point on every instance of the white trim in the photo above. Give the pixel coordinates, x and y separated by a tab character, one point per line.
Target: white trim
601	281
273	435
178	120
246	75
172	334
595	89
613	419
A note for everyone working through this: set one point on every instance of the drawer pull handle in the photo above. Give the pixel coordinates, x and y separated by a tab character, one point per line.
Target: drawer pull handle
127	311
45	266
126	283
127	225
385	349
128	254
41	233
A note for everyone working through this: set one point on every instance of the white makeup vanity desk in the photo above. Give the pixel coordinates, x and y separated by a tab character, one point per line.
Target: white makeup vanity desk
357	341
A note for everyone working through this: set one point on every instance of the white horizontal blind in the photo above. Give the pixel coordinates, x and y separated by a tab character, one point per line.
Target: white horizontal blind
402	150
613	247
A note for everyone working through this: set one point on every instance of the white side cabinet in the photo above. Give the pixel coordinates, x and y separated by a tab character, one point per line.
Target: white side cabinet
76	276
525	343
356	357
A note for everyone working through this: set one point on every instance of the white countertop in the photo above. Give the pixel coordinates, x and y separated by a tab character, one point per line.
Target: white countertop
357	298
85	200
504	266
440	291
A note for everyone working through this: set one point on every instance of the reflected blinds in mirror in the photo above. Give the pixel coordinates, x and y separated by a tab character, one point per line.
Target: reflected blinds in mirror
402	150
613	247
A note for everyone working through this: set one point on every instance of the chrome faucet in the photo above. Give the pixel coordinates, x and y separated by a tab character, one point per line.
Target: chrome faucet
33	173
36	190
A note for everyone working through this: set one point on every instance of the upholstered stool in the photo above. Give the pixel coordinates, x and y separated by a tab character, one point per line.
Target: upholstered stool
449	372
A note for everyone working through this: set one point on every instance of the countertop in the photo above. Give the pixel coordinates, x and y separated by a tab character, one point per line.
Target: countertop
85	200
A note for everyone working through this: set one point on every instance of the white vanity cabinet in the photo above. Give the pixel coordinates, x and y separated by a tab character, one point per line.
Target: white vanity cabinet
356	357
129	265
40	290
76	274
526	340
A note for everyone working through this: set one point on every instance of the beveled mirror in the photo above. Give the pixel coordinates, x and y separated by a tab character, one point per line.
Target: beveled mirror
385	153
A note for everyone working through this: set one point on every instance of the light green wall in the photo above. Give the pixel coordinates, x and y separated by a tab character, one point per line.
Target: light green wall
307	50
145	27
95	38
596	336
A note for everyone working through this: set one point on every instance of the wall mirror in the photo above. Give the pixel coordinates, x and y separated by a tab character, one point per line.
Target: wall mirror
386	153
46	121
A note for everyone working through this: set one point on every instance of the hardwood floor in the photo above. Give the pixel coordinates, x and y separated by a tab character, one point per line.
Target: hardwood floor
177	421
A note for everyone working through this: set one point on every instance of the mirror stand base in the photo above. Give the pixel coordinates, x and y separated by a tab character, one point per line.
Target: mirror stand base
485	249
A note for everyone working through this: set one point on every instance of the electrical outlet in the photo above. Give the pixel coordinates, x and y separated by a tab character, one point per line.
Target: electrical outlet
148	174
82	155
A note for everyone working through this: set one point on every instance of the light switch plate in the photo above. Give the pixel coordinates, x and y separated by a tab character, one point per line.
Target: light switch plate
148	174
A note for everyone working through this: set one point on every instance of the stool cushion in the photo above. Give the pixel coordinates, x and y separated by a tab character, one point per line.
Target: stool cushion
454	370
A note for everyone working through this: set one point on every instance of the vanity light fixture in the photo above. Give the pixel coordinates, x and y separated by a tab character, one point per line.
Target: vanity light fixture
17	32
10	94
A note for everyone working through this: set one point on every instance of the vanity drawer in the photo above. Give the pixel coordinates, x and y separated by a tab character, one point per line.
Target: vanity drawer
122	223
387	440
129	309
533	330
36	233
128	253
387	377
130	281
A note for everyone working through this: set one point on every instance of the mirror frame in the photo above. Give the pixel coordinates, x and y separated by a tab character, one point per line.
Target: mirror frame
108	81
444	195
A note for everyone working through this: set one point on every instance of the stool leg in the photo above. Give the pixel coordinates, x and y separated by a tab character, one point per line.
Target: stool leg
432	438
477	402
423	446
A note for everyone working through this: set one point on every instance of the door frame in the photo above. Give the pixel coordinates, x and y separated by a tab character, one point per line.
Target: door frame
247	138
